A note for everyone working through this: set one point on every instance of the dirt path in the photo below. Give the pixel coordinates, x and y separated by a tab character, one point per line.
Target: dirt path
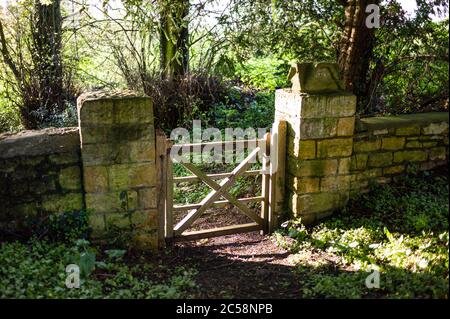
240	266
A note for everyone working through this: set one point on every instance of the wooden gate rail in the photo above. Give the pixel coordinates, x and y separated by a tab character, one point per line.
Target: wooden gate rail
220	203
272	192
197	147
194	178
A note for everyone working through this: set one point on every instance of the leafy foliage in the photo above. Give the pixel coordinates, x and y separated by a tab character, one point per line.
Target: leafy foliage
401	230
37	270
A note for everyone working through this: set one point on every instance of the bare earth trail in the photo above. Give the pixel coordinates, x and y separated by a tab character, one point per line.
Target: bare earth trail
237	266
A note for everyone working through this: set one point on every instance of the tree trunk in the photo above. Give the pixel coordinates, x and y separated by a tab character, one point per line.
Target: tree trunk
356	48
174	36
47	55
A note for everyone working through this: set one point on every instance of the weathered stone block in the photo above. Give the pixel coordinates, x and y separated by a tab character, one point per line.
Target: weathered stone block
367	145
408	131
141	151
413	144
338	147
380	132
111	202
95	179
145	219
148	198
44	185
369	174
436	129
344	165
383	180
393	143
303	185
312	167
359	161
346	126
380	159
288	104
429	144
315	78
318	128
96	134
314	203
301	149
125	176
438	153
328	106
65	158
410	156
96	112
134	110
62	203
335	183
70	178
100	154
394	170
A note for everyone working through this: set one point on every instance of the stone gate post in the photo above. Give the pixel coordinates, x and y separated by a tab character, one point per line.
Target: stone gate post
118	161
321	120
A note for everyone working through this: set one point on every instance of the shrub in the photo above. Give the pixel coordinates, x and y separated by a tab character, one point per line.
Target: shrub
264	73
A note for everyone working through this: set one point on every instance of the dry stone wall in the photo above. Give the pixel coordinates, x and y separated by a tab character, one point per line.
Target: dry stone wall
385	147
40	174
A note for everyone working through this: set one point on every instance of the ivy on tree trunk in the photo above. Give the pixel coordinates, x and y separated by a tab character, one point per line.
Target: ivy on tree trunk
174	36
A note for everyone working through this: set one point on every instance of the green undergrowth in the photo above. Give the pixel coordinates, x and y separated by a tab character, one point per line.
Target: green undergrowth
38	270
37	267
400	230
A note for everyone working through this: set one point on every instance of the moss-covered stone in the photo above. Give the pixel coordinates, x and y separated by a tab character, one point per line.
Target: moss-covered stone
318	128
303	185
380	159
393	143
367	145
96	112
335	183
126	176
413	144
312	167
95	179
397	169
70	178
62	203
408	131
346	126
438	153
344	165
314	203
111	202
148	198
436	128
338	147
328	106
429	144
301	149
359	161
410	156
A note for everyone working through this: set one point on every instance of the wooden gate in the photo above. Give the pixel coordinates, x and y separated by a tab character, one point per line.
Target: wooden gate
273	148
